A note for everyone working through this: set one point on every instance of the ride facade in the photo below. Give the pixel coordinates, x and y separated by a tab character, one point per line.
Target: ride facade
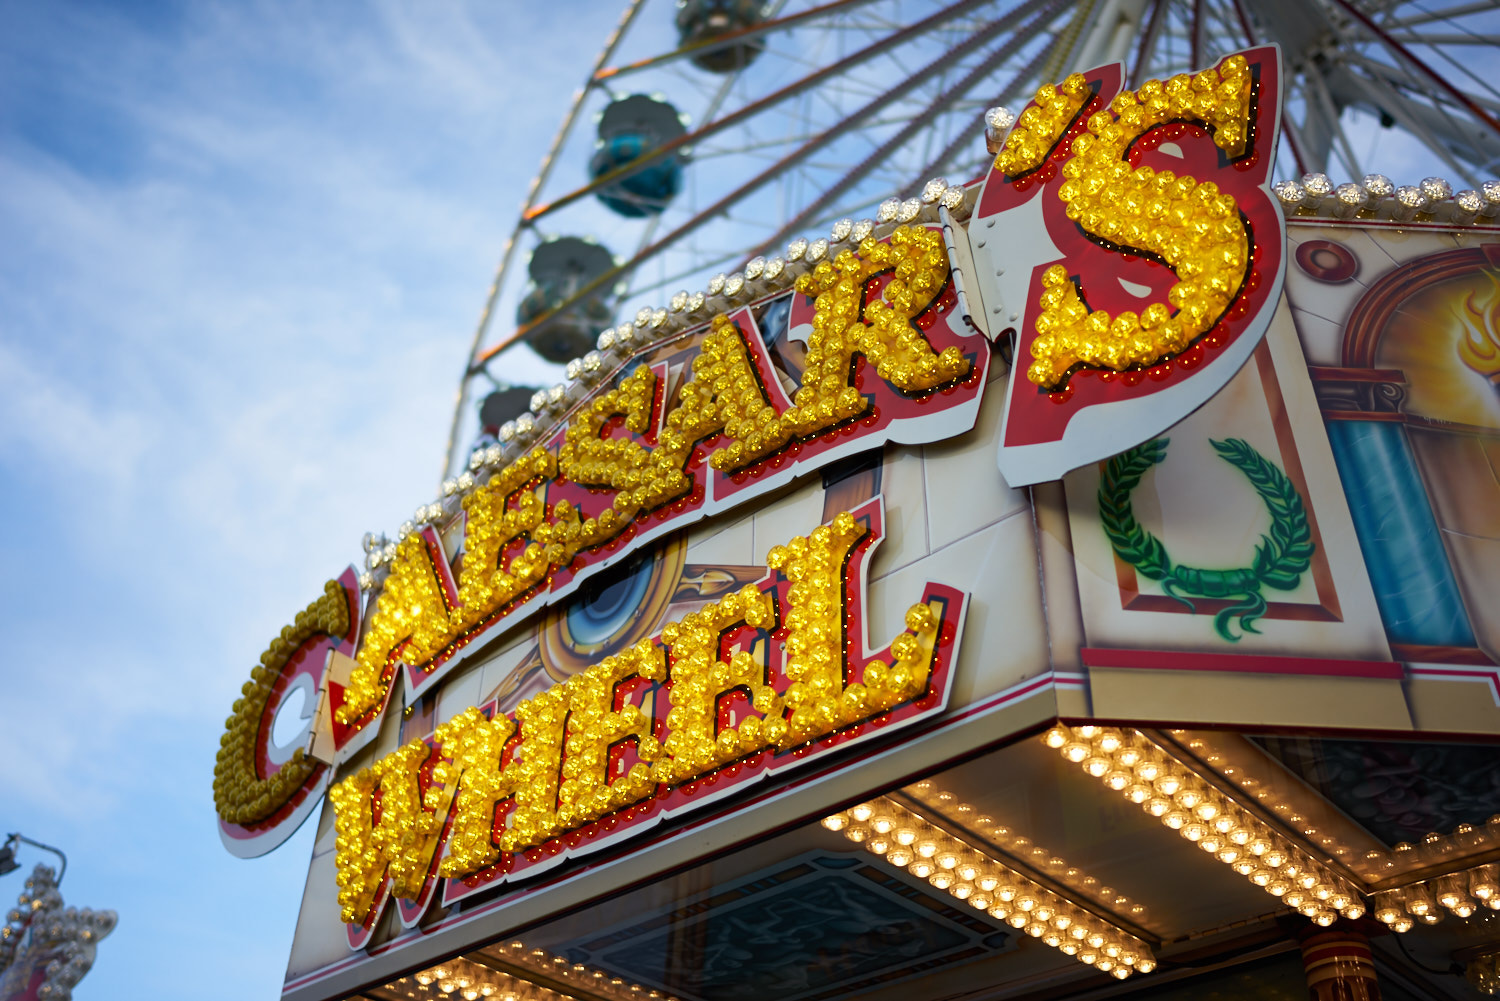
1078	582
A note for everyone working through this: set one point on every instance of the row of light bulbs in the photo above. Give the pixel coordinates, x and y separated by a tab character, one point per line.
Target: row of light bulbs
562	970
1377	196
1129	763
906	841
761	277
461	978
1019	846
1458	893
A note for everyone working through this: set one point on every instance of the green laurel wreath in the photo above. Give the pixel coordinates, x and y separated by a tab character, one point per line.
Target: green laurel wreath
1280	559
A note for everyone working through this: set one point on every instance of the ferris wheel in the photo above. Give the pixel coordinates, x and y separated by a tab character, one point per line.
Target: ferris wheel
710	133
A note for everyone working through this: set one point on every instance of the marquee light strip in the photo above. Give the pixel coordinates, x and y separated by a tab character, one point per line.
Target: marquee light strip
1459	893
470	981
1129	763
906	841
1018	846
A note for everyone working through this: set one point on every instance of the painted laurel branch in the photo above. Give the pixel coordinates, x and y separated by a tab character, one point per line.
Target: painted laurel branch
1281	558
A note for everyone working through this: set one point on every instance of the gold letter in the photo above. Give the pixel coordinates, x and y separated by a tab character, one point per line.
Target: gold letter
700	678
1193	227
885	334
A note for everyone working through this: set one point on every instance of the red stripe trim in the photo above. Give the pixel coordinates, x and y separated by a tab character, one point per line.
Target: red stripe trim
1176	660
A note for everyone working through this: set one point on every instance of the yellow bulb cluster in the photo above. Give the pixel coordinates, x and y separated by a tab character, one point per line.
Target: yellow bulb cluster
538	774
461	978
474	747
884	334
413	614
400	845
906	841
817	698
241	794
1041	125
1457	893
413	608
595	726
503	510
558	775
727	389
1129	763
1194	227
1017	845
642	478
701	677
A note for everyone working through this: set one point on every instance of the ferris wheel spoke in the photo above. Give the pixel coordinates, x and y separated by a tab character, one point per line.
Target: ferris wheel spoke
880	154
507	254
746	34
1427	15
612	275
1195	35
1490	105
940	163
1331	124
745	114
1147	43
1402	53
1416	119
1447	38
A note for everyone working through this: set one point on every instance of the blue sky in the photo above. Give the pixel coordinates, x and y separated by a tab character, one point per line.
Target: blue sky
242	250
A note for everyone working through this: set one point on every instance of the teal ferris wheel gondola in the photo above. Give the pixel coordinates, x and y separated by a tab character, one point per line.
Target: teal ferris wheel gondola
630	128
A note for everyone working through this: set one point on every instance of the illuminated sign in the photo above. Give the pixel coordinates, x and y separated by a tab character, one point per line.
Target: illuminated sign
1126	241
1130	243
686	429
766	678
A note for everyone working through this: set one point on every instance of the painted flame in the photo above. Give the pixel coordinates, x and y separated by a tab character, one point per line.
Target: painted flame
1479	335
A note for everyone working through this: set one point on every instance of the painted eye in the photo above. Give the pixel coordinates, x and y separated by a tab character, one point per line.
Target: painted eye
609	603
612	610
